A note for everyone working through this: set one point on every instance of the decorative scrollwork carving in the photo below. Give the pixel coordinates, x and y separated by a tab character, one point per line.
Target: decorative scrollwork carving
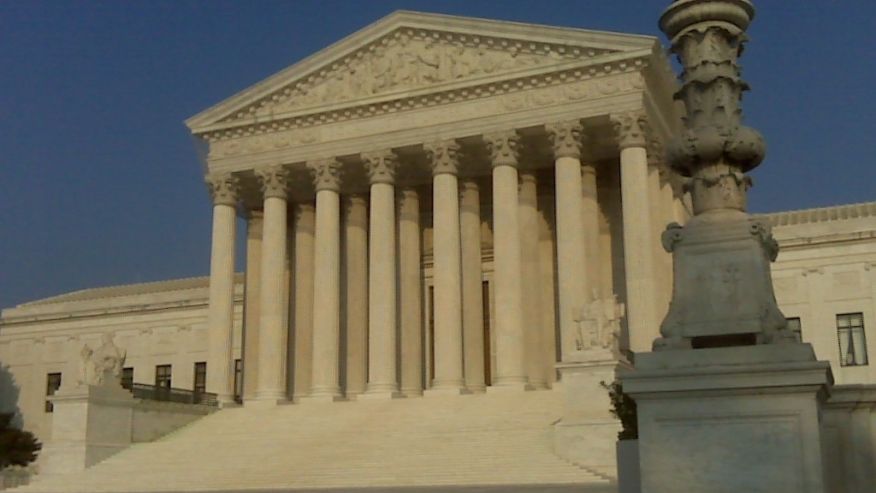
274	181
630	128
381	166
504	147
443	157
326	174
566	138
224	188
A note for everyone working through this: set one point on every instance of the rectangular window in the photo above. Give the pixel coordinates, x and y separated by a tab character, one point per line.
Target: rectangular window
200	385
128	377
162	376
53	383
852	341
238	380
795	326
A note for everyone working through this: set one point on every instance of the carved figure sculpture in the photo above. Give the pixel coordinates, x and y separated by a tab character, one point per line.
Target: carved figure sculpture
103	364
599	323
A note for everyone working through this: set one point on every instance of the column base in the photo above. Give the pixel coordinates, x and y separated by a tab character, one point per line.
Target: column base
412	392
380	395
315	399
265	403
438	392
504	388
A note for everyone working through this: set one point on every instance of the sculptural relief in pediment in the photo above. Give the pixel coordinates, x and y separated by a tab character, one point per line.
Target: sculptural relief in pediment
409	60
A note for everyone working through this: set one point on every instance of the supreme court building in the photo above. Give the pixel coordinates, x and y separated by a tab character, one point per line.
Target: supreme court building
437	206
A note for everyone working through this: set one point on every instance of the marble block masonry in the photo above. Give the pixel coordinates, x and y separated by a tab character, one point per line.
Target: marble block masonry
730	399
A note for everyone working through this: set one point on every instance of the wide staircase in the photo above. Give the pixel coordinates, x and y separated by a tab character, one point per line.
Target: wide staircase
492	442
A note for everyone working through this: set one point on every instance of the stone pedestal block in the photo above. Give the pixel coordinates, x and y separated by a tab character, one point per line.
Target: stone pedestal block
89	424
725	420
587	433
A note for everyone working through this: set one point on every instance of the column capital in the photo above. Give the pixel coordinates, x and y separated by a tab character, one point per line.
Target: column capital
274	181
630	128
566	138
224	188
443	157
504	147
326	174
381	166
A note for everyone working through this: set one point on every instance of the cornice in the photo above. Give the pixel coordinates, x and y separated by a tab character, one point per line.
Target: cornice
525	38
821	214
439	94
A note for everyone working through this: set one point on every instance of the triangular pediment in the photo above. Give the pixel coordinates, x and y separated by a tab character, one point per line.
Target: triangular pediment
410	52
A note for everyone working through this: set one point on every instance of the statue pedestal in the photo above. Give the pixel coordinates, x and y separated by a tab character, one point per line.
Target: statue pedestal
587	433
89	424
726	420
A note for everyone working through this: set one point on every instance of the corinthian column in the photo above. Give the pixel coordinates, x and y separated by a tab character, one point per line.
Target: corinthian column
571	265
410	293
272	309
444	157
304	229
223	189
382	276
472	285
642	323
510	353
326	281
356	295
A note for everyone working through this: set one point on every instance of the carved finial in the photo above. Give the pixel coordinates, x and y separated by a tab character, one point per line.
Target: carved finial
274	181
504	147
443	157
326	174
224	188
566	138
381	166
630	128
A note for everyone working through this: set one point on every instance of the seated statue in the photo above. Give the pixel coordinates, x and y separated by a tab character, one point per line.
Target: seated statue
103	364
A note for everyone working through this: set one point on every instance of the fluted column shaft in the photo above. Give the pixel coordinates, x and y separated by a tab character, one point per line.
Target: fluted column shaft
447	268
642	323
590	212
220	316
272	309
356	299
305	220
382	276
326	285
536	370
410	293
571	266
510	355
252	283
472	287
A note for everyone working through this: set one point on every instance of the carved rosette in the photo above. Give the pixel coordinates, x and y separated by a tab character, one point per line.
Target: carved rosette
443	157
504	148
566	138
326	174
224	188
630	129
274	181
381	166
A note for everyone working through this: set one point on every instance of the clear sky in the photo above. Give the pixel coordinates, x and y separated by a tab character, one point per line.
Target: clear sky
100	180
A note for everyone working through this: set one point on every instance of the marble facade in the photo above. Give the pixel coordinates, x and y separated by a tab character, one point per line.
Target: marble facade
435	204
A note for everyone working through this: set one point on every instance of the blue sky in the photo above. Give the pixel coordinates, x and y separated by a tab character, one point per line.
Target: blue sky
100	180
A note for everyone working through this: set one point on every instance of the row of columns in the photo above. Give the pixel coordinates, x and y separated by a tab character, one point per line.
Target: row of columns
458	308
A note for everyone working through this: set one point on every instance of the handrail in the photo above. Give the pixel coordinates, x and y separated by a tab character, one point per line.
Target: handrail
169	394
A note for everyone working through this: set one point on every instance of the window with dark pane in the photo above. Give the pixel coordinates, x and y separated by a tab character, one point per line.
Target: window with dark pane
53	383
851	338
238	380
128	377
163	376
